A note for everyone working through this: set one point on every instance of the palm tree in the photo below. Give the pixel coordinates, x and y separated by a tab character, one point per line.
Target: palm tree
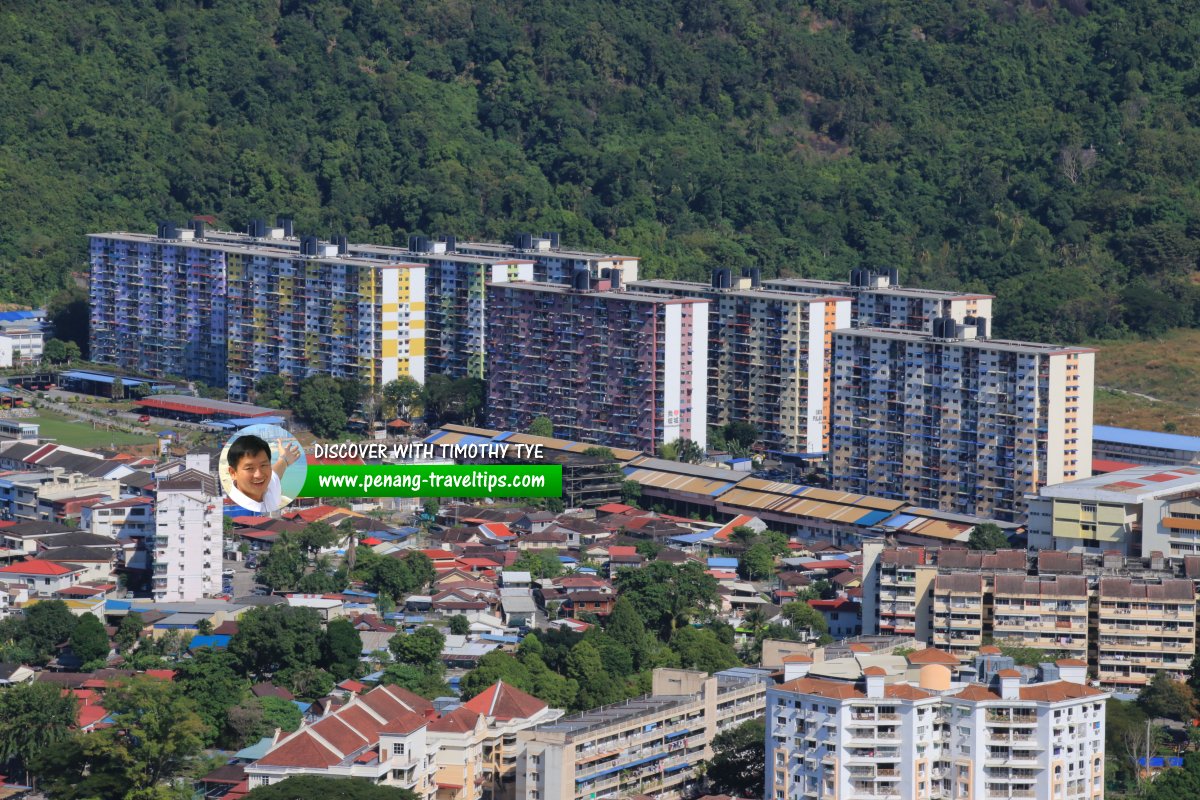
756	618
349	535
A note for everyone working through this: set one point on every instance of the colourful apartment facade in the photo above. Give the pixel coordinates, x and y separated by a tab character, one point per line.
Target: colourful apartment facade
231	312
622	369
956	422
769	357
879	301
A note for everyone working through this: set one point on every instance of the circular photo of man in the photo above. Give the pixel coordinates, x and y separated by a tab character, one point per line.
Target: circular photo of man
262	470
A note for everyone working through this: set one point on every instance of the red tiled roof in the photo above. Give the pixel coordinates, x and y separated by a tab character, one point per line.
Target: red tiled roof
161	674
36	567
904	691
460	720
977	694
931	655
352	686
614	508
503	702
874	671
339	734
301	750
389	700
834	690
89	715
250	522
404	723
1058	691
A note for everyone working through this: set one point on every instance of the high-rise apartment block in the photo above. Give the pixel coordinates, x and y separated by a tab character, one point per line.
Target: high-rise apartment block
552	263
768	357
653	744
879	301
624	369
871	727
956	422
229	308
187	539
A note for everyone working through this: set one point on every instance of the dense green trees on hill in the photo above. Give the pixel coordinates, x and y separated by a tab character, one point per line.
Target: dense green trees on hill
1047	151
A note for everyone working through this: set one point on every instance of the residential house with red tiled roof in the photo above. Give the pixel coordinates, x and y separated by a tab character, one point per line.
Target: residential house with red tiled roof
43	578
504	710
380	736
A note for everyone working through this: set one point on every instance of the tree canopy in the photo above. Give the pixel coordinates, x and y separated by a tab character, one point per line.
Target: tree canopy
306	787
987	536
812	137
737	766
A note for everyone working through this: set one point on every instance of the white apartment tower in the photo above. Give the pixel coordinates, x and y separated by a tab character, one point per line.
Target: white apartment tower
187	543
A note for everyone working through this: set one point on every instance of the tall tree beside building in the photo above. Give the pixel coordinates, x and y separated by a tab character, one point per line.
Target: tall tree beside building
34	717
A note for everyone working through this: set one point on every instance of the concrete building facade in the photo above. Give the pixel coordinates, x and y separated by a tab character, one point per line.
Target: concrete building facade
624	369
652	744
955	422
769	357
914	734
879	301
187	546
1137	511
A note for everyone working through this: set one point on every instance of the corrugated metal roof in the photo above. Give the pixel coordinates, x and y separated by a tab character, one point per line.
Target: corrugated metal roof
1140	438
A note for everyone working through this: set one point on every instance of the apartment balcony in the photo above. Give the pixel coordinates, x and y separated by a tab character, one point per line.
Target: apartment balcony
1119	646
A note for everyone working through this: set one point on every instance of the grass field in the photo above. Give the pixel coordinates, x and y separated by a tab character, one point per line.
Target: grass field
1152	384
81	434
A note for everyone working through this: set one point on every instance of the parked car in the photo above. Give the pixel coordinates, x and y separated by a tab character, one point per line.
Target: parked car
144	418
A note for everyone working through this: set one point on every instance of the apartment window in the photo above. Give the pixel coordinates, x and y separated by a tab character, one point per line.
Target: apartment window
397	748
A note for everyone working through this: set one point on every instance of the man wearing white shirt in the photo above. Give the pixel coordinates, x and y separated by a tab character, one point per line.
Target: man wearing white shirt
256	481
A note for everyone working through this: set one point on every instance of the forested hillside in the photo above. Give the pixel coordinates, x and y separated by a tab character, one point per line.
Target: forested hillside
1047	151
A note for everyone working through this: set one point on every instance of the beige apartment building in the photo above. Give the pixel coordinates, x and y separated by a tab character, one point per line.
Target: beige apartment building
958	611
1047	612
897	582
1126	618
652	744
1142	627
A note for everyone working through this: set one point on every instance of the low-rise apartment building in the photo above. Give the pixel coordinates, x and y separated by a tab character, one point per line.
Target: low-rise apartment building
958	613
898	581
1125	618
651	744
475	744
1047	612
1142	627
1136	511
915	734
